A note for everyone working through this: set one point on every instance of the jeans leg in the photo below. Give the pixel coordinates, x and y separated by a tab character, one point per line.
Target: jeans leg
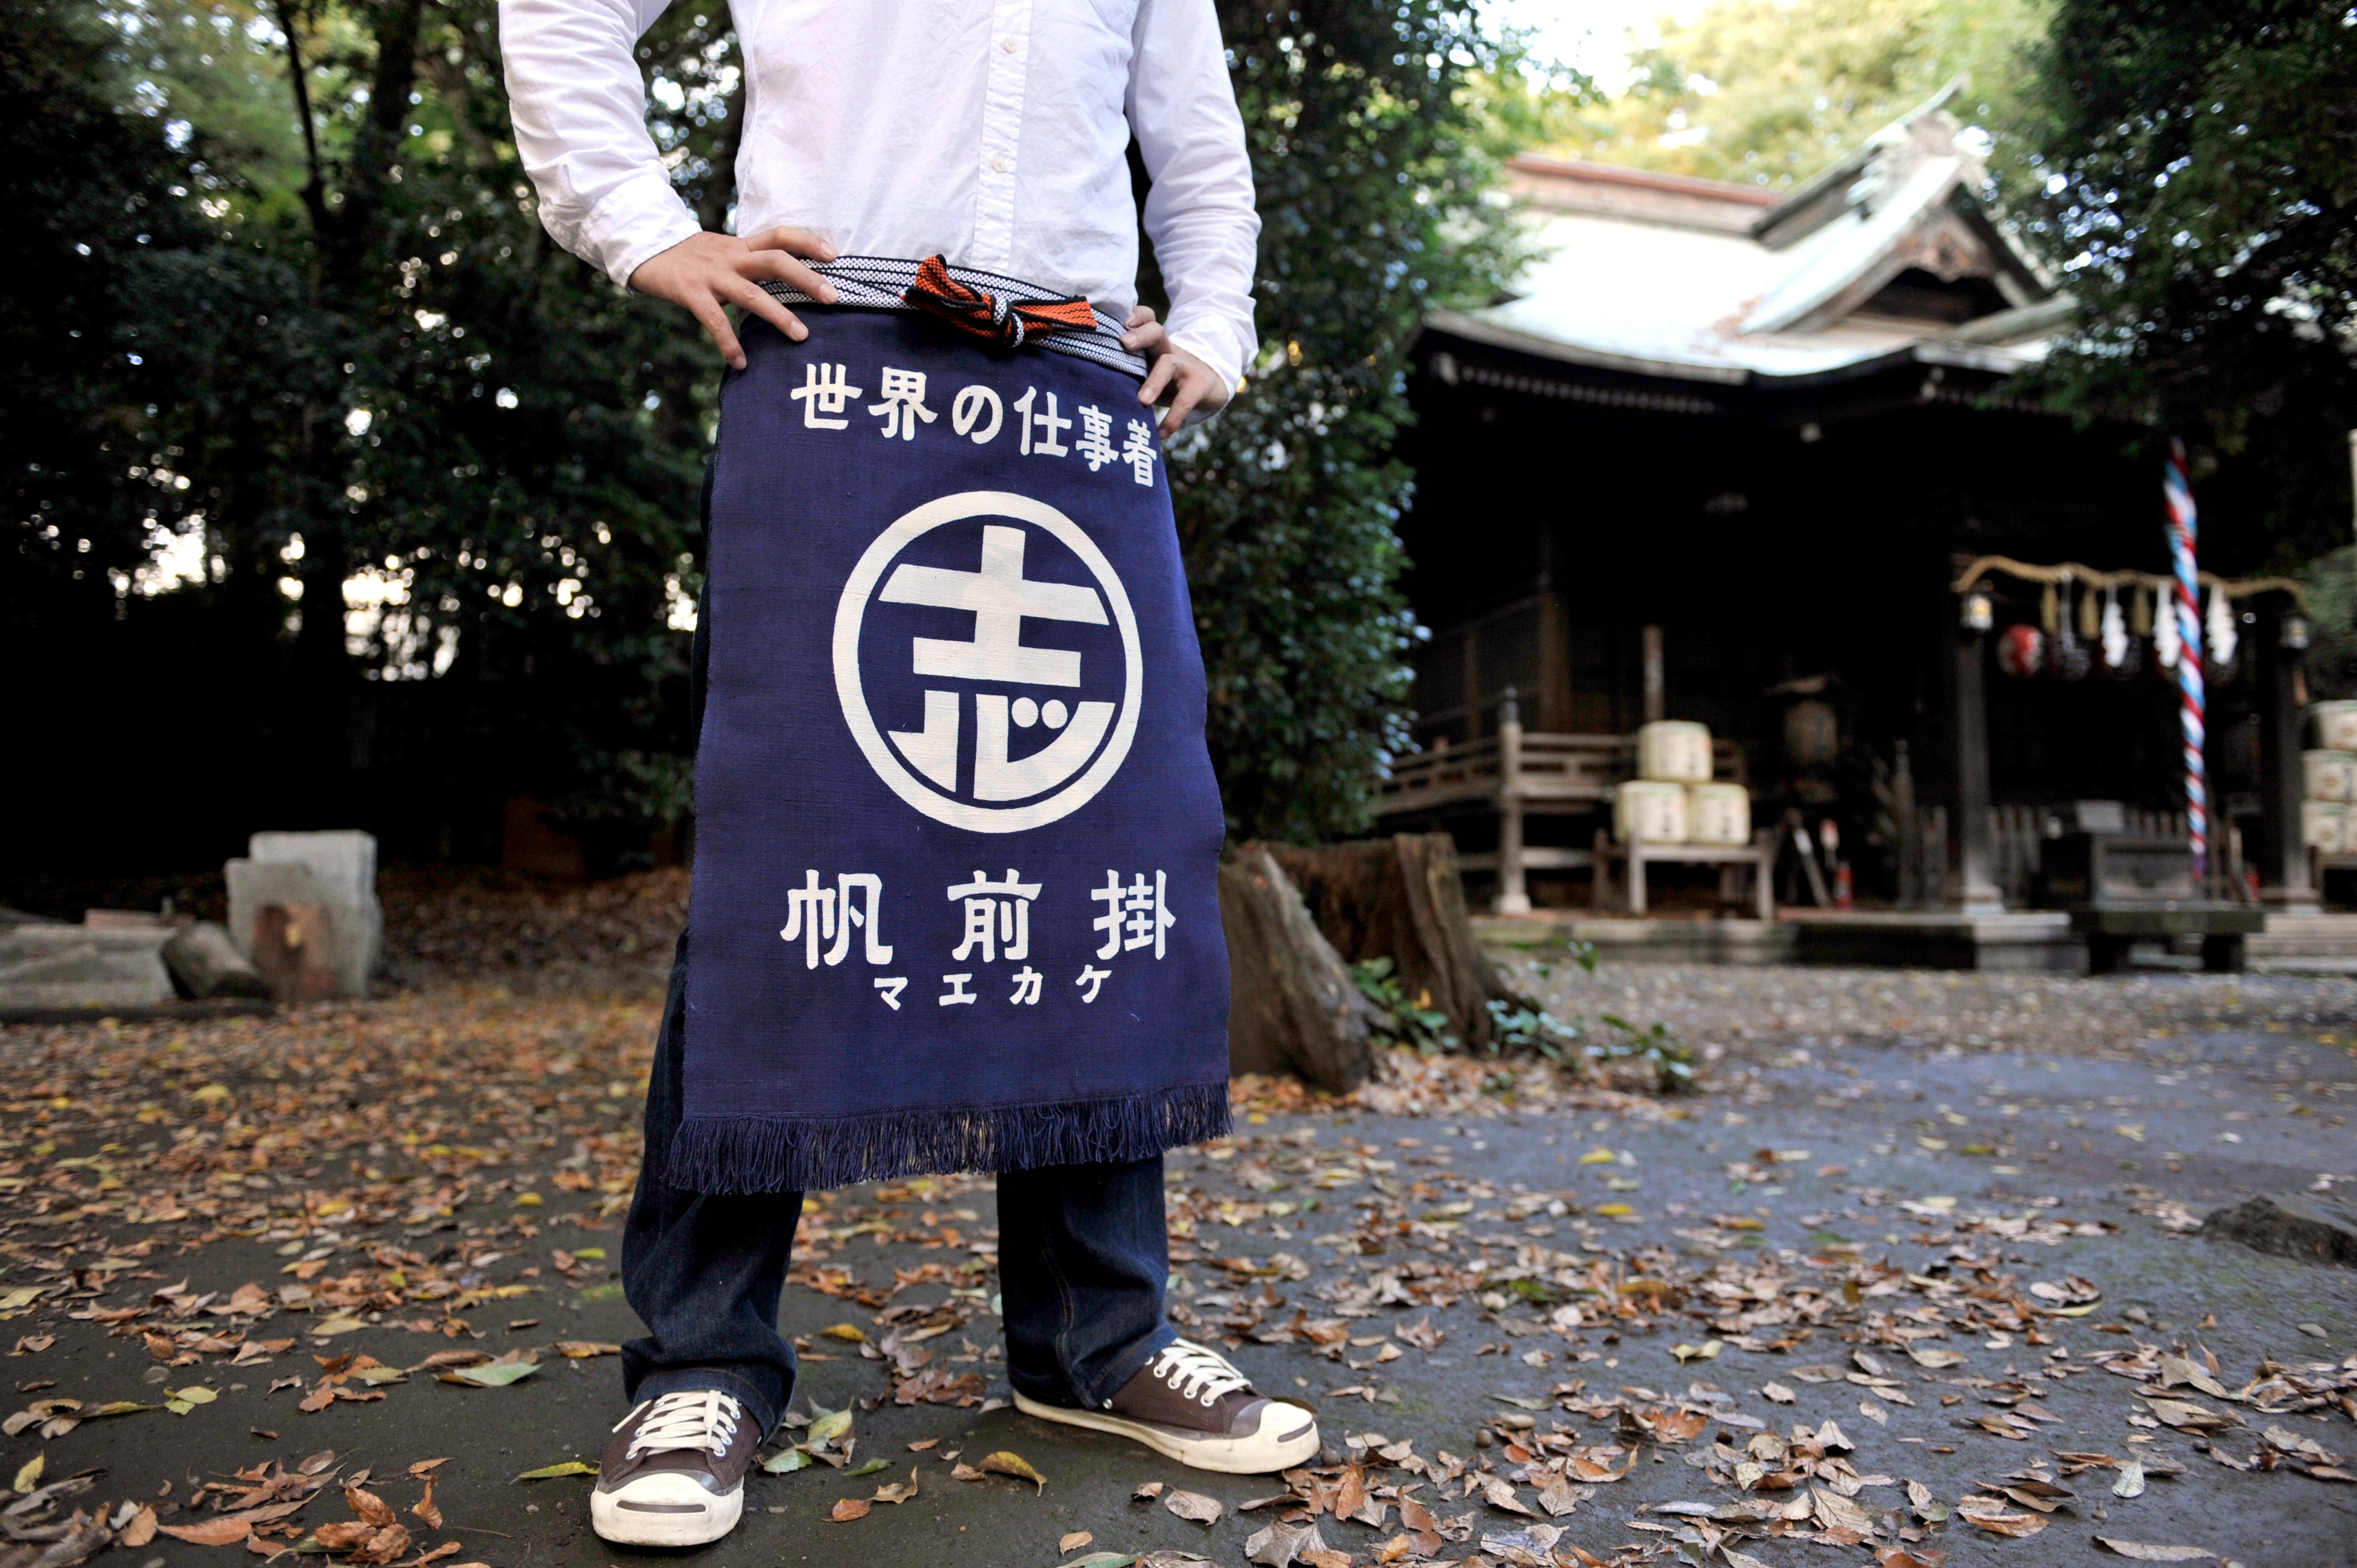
1082	1263
703	1272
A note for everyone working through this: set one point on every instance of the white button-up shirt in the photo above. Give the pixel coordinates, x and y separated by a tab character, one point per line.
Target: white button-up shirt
992	132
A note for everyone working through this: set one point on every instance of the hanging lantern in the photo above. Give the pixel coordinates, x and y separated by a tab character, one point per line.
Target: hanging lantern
2021	650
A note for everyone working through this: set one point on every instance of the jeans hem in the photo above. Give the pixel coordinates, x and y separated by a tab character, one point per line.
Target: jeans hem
757	1402
1123	1366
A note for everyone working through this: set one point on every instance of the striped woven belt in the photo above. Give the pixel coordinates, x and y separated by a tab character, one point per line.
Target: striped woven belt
1000	309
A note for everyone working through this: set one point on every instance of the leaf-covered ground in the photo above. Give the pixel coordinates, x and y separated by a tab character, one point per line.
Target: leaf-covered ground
1918	1277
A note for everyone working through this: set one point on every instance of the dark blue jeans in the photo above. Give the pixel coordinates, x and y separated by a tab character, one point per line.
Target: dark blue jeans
1083	1260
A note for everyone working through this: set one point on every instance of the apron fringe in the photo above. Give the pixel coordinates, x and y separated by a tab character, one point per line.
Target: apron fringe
768	1154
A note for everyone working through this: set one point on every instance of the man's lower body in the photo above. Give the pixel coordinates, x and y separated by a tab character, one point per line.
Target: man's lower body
1083	1260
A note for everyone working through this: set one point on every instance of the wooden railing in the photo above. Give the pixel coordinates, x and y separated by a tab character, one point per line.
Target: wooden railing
2017	835
1515	774
1576	771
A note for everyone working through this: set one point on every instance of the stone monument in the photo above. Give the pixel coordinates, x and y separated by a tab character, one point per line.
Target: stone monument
335	870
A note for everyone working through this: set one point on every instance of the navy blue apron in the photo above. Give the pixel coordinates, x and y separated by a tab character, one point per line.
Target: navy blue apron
955	892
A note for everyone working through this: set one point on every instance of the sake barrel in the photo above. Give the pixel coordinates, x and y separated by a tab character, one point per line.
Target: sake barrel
2329	775
1718	813
1649	810
1673	751
2324	826
2336	725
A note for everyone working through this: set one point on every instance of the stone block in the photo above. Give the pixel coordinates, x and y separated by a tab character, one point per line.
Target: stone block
206	964
2314	1227
338	870
81	966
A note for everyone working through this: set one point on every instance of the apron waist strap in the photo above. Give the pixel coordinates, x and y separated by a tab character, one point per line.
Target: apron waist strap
991	305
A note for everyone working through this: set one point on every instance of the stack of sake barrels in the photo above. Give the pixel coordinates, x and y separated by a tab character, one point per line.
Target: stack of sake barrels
1672	799
2329	775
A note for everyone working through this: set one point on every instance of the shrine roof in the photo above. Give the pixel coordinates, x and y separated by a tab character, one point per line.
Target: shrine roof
1886	257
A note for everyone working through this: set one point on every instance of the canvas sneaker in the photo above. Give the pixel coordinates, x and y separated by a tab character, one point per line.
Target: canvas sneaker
1193	1405
674	1473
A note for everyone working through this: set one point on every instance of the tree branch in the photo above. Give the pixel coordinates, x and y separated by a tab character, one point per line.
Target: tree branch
315	188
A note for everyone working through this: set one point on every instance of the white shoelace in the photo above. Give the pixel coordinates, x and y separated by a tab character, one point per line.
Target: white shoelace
1197	1374
698	1418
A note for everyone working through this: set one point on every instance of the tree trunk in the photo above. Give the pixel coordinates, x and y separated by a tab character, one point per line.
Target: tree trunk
1294	1005
1402	899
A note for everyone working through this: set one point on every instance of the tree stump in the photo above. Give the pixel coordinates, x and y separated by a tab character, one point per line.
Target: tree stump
1293	1006
295	951
1402	899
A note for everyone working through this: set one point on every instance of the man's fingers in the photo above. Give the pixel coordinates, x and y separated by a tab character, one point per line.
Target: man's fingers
800	241
1157	379
1190	393
1146	338
1139	314
761	302
707	310
788	270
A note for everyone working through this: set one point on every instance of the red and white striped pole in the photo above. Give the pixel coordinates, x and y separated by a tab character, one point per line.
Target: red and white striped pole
2184	530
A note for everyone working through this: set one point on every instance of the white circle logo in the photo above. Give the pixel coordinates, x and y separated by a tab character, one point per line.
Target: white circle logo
938	570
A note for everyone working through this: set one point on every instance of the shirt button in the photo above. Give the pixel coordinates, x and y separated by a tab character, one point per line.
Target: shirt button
998	166
1006	44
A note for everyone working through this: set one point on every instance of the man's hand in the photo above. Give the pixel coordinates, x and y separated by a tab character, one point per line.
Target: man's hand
1171	372
710	271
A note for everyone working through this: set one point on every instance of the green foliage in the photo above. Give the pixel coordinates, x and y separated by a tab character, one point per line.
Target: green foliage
99	237
1670	1058
1769	92
1419	1028
1368	147
2198	187
2331	582
349	354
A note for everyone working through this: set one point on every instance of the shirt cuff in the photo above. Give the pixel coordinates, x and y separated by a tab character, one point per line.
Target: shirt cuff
637	220
1215	343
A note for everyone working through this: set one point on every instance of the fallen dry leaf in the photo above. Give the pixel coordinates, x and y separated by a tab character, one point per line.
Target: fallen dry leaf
1073	1541
553	1471
425	1509
1005	1462
1988	1514
2144	1552
1194	1507
142	1528
212	1532
849	1509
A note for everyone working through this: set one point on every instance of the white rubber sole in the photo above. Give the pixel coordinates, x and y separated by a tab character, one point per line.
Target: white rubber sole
1264	1453
664	1510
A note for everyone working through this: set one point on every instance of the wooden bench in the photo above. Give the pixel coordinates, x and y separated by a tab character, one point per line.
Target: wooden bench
1760	854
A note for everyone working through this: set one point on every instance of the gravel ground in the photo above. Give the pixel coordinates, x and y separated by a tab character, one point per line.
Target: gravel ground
1751	1014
